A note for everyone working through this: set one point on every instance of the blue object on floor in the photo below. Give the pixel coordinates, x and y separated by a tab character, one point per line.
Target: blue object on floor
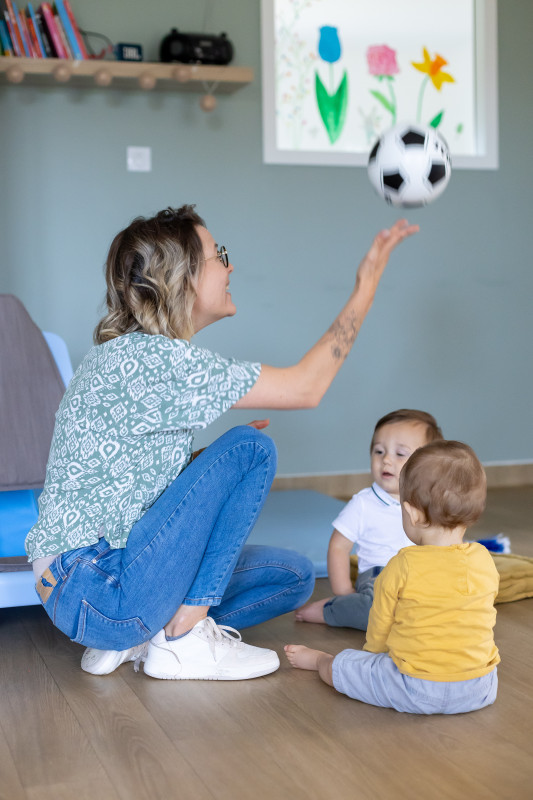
300	520
19	510
497	544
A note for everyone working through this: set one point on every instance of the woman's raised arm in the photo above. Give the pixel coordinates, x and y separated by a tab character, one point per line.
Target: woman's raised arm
304	384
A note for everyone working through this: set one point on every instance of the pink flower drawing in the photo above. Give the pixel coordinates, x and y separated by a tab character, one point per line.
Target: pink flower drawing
382	65
382	60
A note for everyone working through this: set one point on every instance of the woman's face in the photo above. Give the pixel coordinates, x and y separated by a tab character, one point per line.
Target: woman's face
213	300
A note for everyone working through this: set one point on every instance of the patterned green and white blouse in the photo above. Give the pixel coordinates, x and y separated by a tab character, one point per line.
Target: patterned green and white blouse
124	432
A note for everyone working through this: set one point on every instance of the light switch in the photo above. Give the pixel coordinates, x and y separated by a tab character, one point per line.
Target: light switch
139	159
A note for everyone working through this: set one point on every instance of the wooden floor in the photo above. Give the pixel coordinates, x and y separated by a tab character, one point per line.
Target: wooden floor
65	734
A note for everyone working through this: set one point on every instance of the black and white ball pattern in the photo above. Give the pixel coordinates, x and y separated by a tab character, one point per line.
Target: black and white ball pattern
410	165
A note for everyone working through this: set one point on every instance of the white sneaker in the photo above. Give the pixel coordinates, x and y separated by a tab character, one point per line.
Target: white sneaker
209	652
102	662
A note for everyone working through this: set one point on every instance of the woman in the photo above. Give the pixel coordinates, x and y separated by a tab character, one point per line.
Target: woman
136	541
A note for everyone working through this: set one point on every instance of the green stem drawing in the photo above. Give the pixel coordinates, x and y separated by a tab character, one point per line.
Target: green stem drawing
393	99
332	106
421	98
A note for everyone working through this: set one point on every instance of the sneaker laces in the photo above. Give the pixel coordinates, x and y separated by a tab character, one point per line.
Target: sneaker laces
221	634
140	656
214	634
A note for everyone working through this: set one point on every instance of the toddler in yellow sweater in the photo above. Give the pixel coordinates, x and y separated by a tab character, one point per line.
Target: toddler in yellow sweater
430	645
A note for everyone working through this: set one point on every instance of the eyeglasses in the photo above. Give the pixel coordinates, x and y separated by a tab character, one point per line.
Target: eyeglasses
222	255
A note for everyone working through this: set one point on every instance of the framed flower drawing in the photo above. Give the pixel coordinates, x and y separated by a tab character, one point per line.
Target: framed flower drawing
338	73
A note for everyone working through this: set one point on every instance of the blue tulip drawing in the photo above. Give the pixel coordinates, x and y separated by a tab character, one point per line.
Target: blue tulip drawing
329	46
332	104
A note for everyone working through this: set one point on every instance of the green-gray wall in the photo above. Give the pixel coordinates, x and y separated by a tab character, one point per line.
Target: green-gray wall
450	331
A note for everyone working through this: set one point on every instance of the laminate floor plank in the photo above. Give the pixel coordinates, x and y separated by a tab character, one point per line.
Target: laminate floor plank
11	787
248	728
42	734
497	765
65	734
136	754
491	748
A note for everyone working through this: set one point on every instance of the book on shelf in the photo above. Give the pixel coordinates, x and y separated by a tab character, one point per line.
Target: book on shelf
12	37
28	49
35	46
62	36
47	31
53	32
36	31
75	28
45	36
14	31
5	39
69	30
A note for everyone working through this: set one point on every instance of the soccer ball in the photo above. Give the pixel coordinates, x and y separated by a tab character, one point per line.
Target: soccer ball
410	165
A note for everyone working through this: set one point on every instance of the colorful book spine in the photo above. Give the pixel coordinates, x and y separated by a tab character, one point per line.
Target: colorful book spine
45	38
48	17
33	38
35	27
75	28
7	47
12	36
28	49
14	29
62	35
69	30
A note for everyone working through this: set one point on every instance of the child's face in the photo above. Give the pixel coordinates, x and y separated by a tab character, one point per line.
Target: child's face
393	444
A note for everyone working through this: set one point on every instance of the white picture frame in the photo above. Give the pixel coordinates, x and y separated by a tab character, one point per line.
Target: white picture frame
286	112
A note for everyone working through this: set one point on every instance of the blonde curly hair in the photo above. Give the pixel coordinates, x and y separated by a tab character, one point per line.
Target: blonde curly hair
151	272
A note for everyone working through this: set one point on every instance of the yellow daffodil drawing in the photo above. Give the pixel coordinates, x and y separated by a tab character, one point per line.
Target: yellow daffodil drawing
432	67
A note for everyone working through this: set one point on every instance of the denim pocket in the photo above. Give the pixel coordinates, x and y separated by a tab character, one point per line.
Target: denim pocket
97	630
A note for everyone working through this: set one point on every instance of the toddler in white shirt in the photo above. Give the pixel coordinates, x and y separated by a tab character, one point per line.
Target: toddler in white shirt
372	520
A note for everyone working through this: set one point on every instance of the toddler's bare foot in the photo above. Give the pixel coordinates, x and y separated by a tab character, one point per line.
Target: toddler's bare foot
303	657
312	612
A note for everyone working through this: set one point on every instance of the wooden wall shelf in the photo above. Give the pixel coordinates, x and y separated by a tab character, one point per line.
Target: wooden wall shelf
123	75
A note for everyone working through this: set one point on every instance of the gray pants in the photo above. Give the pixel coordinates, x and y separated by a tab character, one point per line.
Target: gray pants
352	610
374	678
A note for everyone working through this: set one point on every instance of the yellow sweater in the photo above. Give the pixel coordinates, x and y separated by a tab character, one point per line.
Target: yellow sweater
433	612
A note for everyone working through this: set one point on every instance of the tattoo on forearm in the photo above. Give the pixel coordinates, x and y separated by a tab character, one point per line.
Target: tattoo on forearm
344	334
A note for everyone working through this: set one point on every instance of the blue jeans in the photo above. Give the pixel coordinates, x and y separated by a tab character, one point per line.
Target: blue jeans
186	549
352	610
374	678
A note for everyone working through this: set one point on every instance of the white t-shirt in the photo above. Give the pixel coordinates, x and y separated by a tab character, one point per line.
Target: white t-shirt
372	519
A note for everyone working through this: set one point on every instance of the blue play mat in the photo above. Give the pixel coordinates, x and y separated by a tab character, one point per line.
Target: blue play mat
299	520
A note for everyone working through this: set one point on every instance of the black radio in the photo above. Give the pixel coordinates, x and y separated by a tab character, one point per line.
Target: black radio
196	48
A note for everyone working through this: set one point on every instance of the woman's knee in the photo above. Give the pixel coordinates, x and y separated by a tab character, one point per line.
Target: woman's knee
263	446
247	434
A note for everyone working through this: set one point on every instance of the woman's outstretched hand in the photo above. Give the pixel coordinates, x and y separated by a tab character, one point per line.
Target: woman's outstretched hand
303	384
373	264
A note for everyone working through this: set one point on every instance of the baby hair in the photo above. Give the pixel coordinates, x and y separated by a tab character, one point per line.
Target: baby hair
445	480
150	276
433	432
